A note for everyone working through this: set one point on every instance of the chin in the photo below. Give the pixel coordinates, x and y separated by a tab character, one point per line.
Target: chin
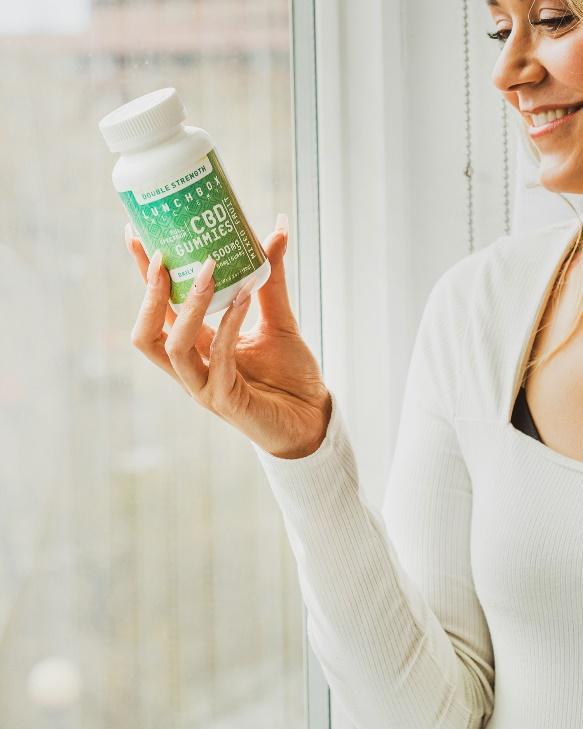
558	177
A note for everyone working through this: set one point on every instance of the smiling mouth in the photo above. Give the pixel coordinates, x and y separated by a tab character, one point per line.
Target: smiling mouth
546	117
548	128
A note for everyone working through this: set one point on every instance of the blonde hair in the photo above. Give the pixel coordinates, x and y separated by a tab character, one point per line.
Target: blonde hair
576	7
535	361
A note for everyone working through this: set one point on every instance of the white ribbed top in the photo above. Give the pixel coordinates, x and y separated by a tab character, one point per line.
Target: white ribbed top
464	608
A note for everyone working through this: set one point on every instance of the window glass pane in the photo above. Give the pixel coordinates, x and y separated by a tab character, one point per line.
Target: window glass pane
143	557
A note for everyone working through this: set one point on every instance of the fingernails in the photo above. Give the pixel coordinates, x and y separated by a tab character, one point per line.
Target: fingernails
282	222
205	274
244	292
154	268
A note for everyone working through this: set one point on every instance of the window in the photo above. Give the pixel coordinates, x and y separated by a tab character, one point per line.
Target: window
144	560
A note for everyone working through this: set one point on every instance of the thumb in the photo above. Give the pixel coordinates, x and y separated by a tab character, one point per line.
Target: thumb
274	305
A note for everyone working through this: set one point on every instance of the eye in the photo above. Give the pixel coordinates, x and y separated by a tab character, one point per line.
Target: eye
556	24
549	26
499	35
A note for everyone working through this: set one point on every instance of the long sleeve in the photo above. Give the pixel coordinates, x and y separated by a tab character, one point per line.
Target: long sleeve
392	613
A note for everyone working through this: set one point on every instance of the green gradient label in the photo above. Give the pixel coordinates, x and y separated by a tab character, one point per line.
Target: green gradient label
191	217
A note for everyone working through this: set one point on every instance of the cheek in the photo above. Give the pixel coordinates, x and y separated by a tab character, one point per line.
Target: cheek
565	62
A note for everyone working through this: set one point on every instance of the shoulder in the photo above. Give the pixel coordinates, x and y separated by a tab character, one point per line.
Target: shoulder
473	310
452	292
502	300
435	360
482	275
449	303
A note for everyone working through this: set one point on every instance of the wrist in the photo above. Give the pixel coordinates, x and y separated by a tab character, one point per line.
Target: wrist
299	452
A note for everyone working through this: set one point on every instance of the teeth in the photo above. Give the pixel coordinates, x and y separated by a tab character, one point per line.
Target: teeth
539	120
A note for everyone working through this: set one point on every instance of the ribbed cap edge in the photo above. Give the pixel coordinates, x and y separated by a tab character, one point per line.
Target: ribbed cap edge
142	119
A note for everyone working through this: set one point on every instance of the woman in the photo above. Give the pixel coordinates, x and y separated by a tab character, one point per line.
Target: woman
467	610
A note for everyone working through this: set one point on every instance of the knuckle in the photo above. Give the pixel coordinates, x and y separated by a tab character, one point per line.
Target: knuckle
188	306
137	339
194	302
197	399
173	348
150	304
212	399
291	324
217	351
218	403
286	328
207	398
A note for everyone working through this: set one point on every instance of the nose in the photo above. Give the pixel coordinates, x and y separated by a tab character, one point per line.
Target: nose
517	64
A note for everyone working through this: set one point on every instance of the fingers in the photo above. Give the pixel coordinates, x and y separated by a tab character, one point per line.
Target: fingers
147	334
223	376
136	249
181	342
274	305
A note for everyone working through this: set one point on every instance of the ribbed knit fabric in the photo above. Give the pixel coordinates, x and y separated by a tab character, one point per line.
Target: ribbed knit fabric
463	608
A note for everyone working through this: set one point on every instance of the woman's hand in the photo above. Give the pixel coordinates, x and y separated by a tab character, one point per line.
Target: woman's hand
264	381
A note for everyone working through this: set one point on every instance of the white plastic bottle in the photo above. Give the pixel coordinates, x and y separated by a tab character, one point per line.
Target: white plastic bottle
179	199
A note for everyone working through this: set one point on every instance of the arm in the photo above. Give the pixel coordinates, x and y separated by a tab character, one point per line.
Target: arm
394	620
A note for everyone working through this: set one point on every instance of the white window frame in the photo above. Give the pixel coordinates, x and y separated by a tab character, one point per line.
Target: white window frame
309	294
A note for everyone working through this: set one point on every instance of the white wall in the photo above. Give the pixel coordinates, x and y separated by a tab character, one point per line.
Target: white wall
393	192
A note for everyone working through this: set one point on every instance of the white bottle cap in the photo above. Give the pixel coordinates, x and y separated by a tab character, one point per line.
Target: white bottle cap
142	120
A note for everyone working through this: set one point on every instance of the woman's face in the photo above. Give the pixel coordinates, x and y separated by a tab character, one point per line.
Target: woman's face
541	65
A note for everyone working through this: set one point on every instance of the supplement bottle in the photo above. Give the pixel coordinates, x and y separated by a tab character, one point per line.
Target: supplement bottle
174	187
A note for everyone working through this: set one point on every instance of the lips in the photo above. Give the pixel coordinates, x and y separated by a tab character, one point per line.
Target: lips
530	113
550	126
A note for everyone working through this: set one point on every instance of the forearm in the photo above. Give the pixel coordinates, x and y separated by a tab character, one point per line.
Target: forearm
385	655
